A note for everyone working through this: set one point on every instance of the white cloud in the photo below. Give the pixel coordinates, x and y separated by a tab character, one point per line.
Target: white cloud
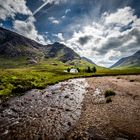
59	36
9	8
1	24
67	11
114	36
28	29
63	17
53	20
122	17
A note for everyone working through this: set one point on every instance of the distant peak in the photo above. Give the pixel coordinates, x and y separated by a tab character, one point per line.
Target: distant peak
137	53
56	43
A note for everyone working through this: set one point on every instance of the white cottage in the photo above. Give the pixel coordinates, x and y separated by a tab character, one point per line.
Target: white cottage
73	71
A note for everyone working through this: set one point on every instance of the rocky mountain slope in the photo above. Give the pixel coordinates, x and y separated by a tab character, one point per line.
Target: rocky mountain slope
14	45
88	60
131	61
61	52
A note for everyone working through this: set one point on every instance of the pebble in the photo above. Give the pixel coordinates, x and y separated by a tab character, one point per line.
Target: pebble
67	96
69	123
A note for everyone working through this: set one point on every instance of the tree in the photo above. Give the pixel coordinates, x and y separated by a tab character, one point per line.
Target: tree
68	69
78	69
88	69
94	69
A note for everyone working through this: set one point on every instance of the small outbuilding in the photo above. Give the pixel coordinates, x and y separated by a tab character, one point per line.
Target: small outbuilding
73	70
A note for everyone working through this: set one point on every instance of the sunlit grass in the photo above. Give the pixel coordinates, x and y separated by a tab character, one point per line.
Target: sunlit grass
21	78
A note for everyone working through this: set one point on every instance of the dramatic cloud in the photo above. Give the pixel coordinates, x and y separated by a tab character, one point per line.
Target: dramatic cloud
60	36
114	36
9	8
84	40
102	31
122	17
28	29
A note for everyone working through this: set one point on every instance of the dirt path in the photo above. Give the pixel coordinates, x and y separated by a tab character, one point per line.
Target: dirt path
75	110
117	120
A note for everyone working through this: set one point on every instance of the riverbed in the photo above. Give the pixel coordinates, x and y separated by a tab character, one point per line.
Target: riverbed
76	109
43	114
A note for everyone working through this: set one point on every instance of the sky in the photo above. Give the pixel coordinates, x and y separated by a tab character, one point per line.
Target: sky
101	30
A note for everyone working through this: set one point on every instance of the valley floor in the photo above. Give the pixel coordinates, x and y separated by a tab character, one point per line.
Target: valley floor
117	120
75	109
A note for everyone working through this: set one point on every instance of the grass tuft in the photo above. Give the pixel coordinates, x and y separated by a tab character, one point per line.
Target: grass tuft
109	93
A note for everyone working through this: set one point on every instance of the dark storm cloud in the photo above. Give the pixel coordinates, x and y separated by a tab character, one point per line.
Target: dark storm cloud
84	40
118	43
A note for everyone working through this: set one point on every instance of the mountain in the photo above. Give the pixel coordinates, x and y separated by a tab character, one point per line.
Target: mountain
13	45
130	61
88	60
61	52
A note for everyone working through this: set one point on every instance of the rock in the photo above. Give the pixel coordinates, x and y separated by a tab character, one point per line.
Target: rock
67	96
14	110
69	123
53	92
5	105
2	115
29	100
47	95
67	109
52	109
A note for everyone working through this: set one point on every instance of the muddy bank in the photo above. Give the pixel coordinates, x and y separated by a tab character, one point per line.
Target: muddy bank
43	114
117	120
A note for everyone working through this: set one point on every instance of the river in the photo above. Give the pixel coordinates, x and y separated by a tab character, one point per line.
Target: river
43	114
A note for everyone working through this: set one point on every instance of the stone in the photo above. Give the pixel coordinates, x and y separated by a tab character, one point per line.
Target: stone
69	123
67	109
67	96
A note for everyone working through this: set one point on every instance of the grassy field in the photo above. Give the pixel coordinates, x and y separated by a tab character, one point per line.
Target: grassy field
16	78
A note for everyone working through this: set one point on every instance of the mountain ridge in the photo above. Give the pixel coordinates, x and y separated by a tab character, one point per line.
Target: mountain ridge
14	45
130	61
88	60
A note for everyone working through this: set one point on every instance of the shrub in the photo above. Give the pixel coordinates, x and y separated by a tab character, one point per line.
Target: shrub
94	69
88	70
68	69
109	93
78	69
